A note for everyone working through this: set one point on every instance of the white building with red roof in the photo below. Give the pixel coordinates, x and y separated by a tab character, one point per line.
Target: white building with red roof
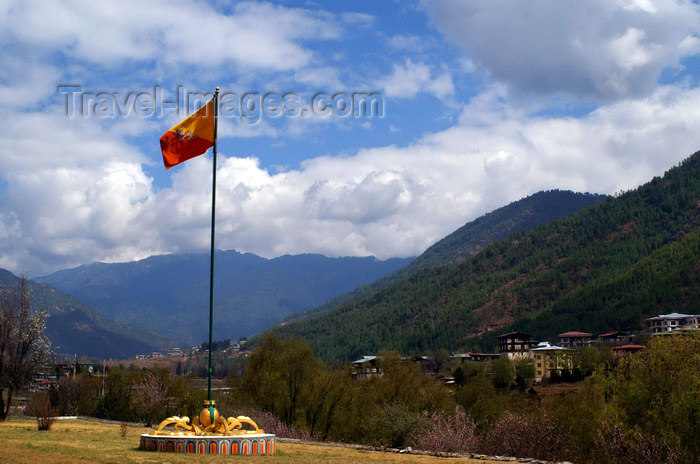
575	339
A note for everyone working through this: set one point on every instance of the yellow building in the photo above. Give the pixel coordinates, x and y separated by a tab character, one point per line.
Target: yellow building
548	359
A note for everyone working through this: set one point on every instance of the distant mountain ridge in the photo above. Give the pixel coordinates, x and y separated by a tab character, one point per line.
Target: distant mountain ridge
75	329
604	267
170	293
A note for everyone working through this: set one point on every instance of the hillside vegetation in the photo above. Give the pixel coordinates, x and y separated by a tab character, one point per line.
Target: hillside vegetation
605	267
74	328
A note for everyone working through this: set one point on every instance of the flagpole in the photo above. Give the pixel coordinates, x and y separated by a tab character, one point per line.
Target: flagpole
211	268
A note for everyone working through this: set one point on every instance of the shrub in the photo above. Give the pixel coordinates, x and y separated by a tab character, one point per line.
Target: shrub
615	446
521	436
579	413
40	407
480	400
393	425
272	424
446	433
656	391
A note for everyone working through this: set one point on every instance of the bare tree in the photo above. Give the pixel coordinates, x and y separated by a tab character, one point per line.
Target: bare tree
152	394
40	407
23	342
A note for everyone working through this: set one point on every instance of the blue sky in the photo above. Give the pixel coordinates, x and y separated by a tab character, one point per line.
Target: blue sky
483	102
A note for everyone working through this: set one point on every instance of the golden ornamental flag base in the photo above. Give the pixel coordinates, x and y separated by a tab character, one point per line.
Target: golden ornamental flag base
208	423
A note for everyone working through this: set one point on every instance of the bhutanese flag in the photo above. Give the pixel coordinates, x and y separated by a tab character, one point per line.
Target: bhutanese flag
191	137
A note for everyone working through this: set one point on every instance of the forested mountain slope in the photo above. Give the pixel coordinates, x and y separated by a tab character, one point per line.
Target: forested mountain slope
606	267
75	329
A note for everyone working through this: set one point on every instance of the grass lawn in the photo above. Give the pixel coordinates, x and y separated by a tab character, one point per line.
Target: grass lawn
82	442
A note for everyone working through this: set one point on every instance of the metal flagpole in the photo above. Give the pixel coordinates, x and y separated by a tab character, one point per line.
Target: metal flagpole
211	268
208	422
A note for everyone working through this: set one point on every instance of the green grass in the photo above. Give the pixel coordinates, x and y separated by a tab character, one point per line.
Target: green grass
82	442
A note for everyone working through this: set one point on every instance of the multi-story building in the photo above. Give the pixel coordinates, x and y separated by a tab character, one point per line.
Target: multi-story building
626	349
575	339
515	344
673	322
366	367
616	338
548	359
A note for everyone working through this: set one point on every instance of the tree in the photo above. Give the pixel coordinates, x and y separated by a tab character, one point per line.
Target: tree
502	372
524	372
152	394
23	342
118	401
278	376
328	395
439	362
658	391
77	396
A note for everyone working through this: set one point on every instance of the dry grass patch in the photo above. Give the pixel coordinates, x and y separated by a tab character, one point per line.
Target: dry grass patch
84	442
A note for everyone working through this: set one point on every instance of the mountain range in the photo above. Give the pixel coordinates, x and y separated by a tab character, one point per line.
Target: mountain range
162	301
169	294
605	267
120	309
550	262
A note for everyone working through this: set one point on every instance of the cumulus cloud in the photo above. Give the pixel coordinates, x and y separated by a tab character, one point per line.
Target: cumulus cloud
76	190
407	80
387	201
70	191
256	35
395	201
598	48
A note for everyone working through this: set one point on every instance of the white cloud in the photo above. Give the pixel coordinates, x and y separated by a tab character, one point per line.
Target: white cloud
362	19
256	35
600	48
74	190
24	79
389	201
409	43
407	80
394	201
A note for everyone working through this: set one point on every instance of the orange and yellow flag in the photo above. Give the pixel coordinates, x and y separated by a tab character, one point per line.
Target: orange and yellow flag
191	137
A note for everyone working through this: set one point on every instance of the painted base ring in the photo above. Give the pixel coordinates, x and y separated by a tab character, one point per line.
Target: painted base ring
262	443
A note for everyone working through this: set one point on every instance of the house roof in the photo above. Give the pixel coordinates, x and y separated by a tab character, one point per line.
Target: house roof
515	334
669	316
612	334
576	334
550	348
365	359
629	347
